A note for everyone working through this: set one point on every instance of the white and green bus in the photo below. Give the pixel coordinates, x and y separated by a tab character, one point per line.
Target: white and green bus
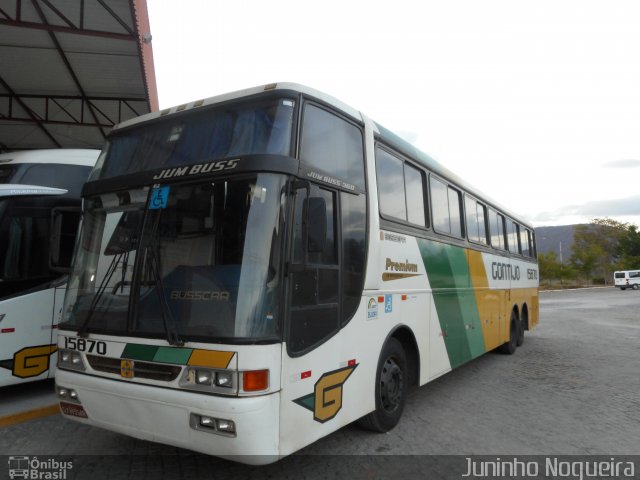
257	270
39	216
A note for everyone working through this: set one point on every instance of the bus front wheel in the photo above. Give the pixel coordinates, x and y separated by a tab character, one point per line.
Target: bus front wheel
391	389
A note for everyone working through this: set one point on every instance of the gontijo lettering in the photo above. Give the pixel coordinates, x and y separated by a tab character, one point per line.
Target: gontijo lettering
505	271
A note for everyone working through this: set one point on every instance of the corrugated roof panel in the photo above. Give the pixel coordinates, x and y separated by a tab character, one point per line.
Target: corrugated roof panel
70	70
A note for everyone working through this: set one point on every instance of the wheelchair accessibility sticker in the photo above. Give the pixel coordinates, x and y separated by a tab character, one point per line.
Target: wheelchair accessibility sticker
159	197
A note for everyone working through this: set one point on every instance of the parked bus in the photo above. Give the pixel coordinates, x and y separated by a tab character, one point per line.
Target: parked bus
257	270
39	215
627	279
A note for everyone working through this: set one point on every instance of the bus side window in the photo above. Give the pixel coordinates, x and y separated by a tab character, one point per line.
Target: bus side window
496	227
446	208
390	185
400	189
476	220
525	241
512	236
332	145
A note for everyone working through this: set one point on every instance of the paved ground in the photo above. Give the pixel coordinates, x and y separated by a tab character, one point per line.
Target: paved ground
573	388
29	396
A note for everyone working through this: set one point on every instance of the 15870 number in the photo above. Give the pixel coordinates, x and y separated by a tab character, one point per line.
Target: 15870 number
85	345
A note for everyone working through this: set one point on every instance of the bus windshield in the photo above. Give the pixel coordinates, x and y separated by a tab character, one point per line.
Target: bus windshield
262	127
24	241
203	263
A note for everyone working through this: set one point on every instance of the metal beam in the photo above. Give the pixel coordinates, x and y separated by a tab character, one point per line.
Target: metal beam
67	64
76	31
35	119
52	105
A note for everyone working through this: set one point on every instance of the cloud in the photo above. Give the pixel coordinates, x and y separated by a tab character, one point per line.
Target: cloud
628	163
622	207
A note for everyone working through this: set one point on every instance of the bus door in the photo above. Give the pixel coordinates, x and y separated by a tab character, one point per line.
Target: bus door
316	361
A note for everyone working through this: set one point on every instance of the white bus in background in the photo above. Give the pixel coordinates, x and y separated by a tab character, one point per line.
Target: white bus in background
627	279
39	215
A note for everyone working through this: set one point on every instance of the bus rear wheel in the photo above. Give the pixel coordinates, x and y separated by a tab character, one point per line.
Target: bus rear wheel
521	328
391	389
509	347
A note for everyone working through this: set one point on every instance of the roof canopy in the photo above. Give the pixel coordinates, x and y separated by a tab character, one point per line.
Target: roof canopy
71	69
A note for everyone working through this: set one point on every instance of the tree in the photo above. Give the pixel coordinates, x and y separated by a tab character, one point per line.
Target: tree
596	248
629	249
552	269
549	265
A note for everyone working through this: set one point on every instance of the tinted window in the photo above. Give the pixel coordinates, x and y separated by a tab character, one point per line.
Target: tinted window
390	185
634	274
512	236
315	280
69	177
440	206
476	220
446	208
415	195
496	226
354	218
24	243
525	242
6	173
201	135
454	212
333	145
400	189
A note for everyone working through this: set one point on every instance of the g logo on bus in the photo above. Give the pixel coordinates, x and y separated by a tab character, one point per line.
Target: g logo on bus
30	361
126	368
326	400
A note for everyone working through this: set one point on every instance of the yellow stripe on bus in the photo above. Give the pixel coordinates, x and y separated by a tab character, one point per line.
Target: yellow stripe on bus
488	301
210	358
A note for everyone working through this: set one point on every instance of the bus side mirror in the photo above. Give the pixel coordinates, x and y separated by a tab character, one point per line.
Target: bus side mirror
316	215
64	227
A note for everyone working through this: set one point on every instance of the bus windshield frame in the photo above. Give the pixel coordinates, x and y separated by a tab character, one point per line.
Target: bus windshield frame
264	126
203	264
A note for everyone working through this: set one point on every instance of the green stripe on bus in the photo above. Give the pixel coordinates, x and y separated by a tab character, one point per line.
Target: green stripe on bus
448	272
177	356
135	351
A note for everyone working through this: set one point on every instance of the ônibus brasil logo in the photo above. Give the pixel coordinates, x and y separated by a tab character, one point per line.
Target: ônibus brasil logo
34	468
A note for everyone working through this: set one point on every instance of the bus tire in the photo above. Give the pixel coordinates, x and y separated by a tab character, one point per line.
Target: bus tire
635	286
521	329
509	348
391	389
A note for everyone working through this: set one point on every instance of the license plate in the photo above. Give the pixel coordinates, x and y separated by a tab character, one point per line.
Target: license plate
73	410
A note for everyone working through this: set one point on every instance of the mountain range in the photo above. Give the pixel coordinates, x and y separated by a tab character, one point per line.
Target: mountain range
558	239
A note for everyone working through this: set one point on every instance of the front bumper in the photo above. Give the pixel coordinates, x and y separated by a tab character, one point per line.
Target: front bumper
163	415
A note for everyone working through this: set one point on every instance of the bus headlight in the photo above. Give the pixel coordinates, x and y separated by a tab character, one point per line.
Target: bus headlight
70	360
224	379
208	424
203	377
210	380
68	394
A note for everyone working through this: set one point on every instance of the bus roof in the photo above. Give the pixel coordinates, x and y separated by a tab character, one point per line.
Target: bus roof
384	134
65	156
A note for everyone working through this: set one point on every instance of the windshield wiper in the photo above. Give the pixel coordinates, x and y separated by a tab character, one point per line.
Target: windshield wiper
168	320
167	317
82	331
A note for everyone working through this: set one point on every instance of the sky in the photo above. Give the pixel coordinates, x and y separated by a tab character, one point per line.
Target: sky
535	103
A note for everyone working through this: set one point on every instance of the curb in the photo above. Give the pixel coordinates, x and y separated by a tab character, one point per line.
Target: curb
15	418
